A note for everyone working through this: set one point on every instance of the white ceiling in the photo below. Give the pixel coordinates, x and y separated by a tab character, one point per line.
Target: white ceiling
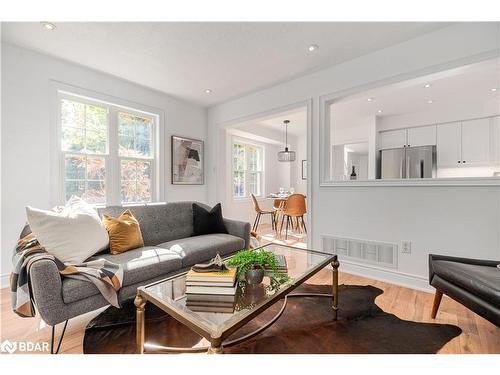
232	59
449	90
297	125
259	126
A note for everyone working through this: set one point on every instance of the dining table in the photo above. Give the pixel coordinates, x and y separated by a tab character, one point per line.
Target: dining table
281	198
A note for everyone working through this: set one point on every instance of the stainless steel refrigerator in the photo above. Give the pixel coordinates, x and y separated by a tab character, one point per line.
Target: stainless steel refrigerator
408	162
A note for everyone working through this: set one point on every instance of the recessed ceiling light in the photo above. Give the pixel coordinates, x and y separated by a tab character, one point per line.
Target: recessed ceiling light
312	47
427	85
494	89
380	111
369	99
430	101
48	25
208	91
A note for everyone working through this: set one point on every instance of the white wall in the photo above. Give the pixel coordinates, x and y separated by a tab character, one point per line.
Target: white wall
26	129
276	174
462	221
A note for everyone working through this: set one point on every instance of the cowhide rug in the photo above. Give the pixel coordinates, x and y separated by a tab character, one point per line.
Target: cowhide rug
306	326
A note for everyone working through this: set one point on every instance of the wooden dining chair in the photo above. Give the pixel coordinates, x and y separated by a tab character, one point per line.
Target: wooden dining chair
261	212
295	208
279	204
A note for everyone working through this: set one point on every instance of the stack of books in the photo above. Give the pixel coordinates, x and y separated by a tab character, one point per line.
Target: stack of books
211	291
281	263
211	303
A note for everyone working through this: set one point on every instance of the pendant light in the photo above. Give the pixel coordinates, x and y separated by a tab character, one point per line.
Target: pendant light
286	156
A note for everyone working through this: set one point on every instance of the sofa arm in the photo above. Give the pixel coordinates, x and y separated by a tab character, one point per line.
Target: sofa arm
46	287
239	229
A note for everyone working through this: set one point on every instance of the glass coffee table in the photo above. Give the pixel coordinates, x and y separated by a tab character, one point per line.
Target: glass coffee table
250	301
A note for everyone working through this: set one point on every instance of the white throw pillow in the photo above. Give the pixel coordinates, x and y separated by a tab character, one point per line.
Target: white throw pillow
73	234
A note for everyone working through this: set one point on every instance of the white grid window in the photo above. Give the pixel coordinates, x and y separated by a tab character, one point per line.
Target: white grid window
247	168
109	153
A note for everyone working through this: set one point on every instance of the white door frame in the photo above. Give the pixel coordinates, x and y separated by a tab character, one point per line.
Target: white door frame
222	127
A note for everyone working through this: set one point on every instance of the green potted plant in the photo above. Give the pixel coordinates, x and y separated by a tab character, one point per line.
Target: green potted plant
253	264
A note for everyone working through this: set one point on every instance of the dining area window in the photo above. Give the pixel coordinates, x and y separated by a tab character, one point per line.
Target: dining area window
247	169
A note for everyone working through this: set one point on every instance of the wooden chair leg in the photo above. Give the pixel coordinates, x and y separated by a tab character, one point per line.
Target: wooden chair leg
437	301
255	222
281	226
258	221
273	220
286	229
303	224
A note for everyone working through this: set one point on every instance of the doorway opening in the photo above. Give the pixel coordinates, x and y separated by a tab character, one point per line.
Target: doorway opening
265	175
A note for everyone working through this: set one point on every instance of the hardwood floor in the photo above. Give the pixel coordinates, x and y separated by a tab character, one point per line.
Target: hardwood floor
295	238
478	336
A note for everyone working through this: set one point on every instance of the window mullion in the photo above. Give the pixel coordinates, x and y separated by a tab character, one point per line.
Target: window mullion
112	160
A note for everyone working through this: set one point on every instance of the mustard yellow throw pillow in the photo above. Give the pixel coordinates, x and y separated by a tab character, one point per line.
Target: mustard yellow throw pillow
124	232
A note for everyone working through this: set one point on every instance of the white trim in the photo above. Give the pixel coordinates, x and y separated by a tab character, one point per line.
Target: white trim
428	182
389	276
95	96
223	126
114	105
325	131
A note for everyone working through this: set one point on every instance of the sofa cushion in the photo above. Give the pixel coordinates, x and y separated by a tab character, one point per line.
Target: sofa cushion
124	232
482	281
75	290
138	265
60	231
200	249
145	263
208	221
160	222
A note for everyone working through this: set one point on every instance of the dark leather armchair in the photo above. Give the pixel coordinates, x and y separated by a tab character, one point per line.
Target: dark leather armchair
474	283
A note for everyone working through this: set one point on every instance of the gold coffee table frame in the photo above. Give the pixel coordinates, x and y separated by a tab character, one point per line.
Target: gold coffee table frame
217	334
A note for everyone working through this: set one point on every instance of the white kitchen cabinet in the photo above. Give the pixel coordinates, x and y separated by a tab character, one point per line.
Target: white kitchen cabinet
411	137
476	142
421	136
448	141
392	139
495	139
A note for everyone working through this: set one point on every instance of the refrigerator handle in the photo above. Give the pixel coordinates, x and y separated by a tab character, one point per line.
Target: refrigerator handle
421	166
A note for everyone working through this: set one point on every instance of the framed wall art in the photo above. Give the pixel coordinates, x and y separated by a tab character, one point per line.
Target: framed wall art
187	161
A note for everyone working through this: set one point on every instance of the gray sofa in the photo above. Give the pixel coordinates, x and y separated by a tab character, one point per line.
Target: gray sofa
169	249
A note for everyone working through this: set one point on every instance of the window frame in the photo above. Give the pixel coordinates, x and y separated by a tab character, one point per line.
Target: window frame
112	180
260	173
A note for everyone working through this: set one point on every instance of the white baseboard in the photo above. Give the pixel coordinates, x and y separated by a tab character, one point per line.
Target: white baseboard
387	275
4	280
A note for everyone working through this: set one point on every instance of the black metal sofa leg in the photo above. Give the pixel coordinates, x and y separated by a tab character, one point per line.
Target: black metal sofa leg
60	339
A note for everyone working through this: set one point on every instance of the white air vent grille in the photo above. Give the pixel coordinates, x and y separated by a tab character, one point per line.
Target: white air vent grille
362	251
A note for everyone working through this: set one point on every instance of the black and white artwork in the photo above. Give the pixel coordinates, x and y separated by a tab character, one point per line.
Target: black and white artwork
187	161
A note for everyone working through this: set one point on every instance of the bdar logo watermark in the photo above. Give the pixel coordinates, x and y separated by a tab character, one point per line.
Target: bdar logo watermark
23	346
8	347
